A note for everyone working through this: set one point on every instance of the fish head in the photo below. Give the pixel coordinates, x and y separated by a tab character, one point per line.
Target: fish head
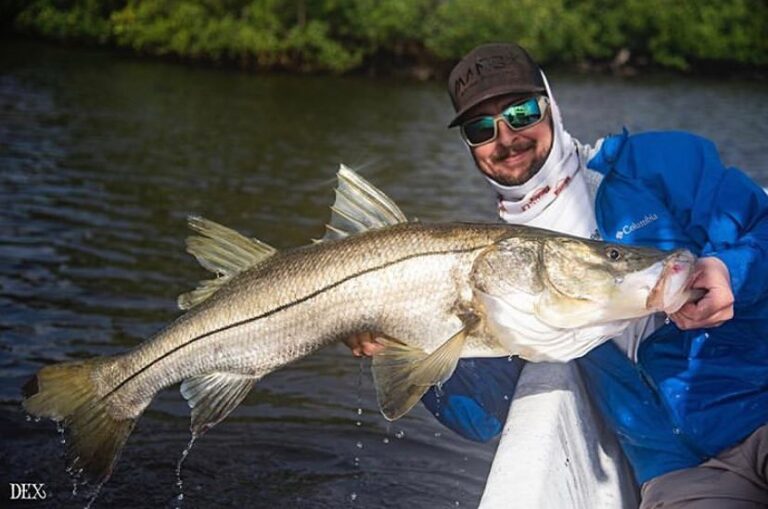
587	282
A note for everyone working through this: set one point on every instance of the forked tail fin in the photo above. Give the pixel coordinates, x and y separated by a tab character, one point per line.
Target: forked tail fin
66	393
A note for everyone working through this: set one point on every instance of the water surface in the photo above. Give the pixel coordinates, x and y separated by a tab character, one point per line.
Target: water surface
103	156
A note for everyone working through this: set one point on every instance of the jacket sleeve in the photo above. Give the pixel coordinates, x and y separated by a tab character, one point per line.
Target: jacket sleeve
738	235
474	402
721	208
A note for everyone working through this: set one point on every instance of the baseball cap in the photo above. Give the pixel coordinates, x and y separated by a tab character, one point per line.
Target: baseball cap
489	71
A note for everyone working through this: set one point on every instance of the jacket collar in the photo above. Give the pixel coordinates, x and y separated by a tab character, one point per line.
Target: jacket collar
610	150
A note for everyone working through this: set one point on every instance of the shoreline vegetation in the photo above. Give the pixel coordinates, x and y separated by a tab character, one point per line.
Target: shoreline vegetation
418	38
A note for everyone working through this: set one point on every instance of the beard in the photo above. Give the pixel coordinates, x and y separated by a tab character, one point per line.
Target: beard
505	151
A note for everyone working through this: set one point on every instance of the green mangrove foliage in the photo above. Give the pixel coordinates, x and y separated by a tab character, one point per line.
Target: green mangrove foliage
345	35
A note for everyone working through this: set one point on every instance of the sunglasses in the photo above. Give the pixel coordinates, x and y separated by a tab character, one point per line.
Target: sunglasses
517	116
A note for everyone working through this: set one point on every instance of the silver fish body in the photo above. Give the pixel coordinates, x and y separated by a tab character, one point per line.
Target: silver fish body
410	282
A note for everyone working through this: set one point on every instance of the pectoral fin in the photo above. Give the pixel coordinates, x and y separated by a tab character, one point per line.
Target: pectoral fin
402	373
212	397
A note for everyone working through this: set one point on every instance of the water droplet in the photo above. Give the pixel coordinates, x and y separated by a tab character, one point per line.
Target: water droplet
29	418
359	411
706	334
438	434
510	358
506	397
457	503
667	321
400	434
38	419
359	445
385	440
358	423
353	496
179	482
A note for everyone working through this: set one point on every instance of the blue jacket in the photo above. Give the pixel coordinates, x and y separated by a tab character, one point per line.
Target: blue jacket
693	393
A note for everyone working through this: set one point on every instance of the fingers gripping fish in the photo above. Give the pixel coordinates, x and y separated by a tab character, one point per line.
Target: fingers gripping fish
435	292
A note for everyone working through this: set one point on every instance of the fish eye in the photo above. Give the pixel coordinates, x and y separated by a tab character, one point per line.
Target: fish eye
613	253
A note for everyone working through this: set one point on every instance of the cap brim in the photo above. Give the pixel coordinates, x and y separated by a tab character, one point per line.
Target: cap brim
490	94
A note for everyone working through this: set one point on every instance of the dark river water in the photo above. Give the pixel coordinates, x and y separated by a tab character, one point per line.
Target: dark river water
103	156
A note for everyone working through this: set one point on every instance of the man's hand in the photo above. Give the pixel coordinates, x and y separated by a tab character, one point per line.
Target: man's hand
716	307
363	344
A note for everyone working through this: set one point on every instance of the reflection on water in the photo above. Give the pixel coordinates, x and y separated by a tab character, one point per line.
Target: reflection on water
101	159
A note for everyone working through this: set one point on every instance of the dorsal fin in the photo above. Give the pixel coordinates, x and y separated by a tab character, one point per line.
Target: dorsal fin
359	206
222	251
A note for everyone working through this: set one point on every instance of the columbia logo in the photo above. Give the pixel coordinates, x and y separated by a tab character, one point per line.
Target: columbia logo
631	227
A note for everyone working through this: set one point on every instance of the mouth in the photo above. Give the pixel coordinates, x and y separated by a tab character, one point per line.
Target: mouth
514	152
671	291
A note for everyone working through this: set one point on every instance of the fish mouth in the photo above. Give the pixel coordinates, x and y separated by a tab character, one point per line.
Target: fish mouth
672	289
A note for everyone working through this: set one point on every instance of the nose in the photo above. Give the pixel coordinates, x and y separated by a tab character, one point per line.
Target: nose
505	134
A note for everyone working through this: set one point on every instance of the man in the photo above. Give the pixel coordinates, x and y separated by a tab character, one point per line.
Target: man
688	400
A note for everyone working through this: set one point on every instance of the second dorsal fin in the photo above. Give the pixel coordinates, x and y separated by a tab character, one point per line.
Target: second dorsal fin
222	251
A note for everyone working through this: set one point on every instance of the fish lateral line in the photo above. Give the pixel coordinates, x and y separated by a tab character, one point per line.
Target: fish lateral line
285	306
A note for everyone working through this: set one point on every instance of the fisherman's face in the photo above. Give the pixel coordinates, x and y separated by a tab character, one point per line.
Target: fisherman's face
514	156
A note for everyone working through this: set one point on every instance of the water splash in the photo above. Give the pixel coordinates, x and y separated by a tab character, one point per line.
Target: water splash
94	495
358	422
179	482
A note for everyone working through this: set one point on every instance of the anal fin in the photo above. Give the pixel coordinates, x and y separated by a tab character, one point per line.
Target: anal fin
402	373
213	396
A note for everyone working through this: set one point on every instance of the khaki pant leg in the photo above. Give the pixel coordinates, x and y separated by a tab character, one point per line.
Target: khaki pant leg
736	479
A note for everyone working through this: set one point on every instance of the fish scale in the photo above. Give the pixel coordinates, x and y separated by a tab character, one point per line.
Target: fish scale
289	301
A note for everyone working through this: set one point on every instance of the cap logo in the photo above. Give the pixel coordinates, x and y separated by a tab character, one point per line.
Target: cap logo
483	66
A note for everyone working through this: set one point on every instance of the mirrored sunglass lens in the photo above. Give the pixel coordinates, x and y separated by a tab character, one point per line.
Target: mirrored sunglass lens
523	114
479	130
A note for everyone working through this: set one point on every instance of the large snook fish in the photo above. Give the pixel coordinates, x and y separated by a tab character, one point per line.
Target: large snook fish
434	292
